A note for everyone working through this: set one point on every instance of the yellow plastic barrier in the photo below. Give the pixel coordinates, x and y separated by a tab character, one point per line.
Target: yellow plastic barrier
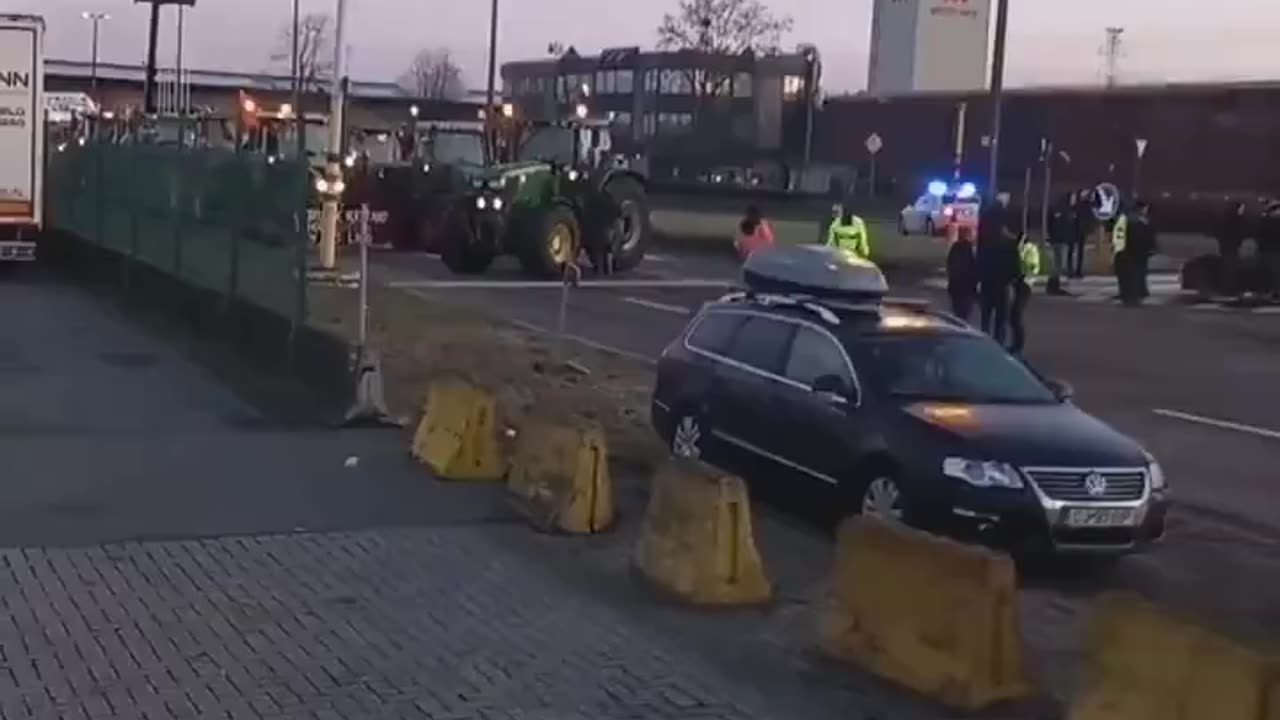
1144	664
696	542
458	435
931	614
560	476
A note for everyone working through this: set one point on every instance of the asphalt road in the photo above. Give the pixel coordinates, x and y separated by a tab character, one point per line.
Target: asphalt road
1197	388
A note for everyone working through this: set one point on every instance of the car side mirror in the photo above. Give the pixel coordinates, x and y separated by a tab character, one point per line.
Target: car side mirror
1062	390
833	390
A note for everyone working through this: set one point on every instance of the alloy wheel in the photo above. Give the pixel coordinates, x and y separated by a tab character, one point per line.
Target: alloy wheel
882	499
685	442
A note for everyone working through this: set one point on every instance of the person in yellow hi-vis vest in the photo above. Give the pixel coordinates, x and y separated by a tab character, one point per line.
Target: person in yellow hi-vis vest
1028	268
1133	241
849	232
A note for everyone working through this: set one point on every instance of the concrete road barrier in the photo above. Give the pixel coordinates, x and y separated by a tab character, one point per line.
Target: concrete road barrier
1144	664
560	476
458	434
696	542
931	614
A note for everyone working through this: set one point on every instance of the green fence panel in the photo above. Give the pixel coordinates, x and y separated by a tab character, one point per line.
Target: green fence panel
215	219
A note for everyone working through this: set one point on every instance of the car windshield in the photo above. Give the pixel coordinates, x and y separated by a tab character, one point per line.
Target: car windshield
947	367
454	148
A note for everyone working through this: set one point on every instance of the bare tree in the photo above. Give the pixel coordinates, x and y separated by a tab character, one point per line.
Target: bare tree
721	28
315	50
434	75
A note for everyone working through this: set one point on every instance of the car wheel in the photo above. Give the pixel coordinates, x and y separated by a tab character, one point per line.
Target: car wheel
687	438
883	498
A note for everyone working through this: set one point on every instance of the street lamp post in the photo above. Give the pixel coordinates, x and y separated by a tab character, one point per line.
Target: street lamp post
333	183
96	18
997	94
493	71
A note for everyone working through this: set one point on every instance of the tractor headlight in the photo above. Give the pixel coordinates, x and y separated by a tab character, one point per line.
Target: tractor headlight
322	185
497	183
497	203
482	203
574	175
426	167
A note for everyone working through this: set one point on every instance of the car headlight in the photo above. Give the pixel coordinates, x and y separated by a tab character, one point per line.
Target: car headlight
982	473
481	203
1156	474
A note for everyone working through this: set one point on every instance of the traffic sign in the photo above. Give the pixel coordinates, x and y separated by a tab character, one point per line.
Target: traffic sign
1106	201
874	143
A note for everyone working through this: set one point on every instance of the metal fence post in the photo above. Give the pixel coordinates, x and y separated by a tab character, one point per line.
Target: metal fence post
572	274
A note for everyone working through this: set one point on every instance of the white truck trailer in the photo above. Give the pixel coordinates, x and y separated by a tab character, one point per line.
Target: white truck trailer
22	143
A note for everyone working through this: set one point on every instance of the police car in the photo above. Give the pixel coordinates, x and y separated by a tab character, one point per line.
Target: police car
941	204
812	377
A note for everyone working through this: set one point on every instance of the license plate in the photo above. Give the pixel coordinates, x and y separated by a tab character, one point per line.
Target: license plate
1100	517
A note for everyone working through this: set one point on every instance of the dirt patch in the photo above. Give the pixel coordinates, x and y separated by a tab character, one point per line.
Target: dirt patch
421	339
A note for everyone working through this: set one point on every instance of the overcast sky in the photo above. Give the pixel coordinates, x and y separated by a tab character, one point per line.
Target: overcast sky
1051	41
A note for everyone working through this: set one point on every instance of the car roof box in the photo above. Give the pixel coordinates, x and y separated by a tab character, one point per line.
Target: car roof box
818	271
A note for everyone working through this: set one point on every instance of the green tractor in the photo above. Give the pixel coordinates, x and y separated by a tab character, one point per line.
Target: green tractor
550	195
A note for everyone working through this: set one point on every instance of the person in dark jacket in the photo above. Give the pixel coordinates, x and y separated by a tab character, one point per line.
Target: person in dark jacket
1133	253
998	265
1085	225
1062	235
962	275
1232	231
1268	239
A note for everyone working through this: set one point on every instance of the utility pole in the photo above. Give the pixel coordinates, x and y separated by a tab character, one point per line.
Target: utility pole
296	74
814	70
333	183
997	94
962	109
1112	53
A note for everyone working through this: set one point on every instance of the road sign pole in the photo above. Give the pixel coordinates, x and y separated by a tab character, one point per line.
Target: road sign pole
1047	150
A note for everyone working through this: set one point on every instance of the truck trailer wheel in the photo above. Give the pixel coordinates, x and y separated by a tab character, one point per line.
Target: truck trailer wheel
554	242
633	229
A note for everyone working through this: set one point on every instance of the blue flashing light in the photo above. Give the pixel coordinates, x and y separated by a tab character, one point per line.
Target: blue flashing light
938	188
967	191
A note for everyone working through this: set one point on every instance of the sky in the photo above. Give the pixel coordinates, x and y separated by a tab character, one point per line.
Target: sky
1050	41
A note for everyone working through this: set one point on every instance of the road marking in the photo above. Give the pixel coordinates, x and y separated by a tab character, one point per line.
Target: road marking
676	309
1272	310
588	342
1223	424
688	283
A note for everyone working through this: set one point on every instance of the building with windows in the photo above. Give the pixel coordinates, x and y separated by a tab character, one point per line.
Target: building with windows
686	112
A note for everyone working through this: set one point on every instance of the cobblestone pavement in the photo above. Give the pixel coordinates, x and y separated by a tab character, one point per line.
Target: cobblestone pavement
430	622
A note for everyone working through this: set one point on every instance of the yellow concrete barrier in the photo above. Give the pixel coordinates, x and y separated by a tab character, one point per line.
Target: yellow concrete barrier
458	435
696	542
560	476
1144	664
931	614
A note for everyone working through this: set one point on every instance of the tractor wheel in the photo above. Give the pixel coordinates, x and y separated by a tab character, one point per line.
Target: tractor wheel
632	230
554	242
461	251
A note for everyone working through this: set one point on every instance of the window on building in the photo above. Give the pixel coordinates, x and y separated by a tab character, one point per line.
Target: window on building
624	82
674	123
650	127
651	82
743	87
675	82
792	87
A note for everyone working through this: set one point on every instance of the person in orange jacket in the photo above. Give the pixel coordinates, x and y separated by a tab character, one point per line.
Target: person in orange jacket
754	232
